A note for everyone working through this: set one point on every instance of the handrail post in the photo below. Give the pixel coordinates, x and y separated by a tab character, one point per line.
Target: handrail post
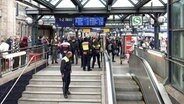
43	51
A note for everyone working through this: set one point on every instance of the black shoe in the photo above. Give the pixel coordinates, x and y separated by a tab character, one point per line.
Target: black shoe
65	96
89	69
113	61
69	93
56	62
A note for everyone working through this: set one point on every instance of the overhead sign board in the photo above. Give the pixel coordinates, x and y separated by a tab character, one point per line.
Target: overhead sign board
136	20
89	22
64	22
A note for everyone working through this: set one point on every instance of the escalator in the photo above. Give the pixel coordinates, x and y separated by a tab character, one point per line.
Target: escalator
127	90
133	83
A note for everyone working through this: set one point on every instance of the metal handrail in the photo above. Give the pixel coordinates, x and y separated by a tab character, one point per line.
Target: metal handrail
165	99
110	80
154	87
18	79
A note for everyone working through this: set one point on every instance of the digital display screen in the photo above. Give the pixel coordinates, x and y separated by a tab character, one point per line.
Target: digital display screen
89	22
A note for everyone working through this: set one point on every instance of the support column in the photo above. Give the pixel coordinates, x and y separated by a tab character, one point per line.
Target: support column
156	32
34	30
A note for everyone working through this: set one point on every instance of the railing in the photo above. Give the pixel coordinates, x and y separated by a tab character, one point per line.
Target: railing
19	78
109	82
18	58
154	92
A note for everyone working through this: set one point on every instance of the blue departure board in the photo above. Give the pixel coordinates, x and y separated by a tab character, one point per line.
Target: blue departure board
89	22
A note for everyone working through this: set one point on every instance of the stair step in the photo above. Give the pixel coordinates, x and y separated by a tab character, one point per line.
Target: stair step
125	82
58	101
120	87
58	95
59	81
123	77
72	76
130	102
73	88
135	96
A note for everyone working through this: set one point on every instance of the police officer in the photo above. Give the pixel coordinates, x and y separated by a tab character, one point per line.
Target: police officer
65	69
86	54
96	53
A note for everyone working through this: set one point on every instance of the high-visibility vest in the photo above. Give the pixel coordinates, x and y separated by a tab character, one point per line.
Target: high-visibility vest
96	46
66	59
85	46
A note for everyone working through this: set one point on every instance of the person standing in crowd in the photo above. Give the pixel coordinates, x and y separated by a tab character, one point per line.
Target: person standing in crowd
113	50
96	53
54	51
9	41
66	70
3	47
86	54
65	47
74	48
23	44
16	59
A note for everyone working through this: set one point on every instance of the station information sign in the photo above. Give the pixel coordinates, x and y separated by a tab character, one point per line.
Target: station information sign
89	22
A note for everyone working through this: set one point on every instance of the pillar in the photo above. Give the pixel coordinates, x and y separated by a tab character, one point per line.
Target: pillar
34	36
156	32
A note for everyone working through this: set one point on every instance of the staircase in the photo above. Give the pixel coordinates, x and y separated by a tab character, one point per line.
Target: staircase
46	88
127	90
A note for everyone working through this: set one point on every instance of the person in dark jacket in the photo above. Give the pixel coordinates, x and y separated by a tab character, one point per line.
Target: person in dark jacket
65	69
23	45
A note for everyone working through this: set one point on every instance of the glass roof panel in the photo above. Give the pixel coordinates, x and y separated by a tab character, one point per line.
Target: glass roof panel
154	3
53	2
122	3
134	1
83	1
66	4
35	3
93	4
115	17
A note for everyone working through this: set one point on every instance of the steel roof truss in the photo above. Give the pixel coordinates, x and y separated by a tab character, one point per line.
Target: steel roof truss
77	4
132	3
141	3
164	4
58	3
46	4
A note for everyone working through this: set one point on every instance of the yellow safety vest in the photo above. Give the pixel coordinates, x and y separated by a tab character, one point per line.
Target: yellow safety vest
66	59
85	46
96	46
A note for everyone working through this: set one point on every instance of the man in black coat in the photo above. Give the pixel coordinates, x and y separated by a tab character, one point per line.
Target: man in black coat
65	69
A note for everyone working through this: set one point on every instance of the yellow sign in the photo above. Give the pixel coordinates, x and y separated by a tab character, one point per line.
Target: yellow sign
106	30
86	30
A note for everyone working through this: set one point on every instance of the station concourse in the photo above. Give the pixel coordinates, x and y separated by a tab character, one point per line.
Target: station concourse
124	51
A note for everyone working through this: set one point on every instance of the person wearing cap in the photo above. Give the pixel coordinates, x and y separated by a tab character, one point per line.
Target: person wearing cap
65	69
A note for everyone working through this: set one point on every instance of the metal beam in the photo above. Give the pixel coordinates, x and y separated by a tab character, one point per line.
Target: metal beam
102	2
46	4
132	3
124	17
77	4
141	3
109	2
163	3
85	3
58	3
96	11
28	3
